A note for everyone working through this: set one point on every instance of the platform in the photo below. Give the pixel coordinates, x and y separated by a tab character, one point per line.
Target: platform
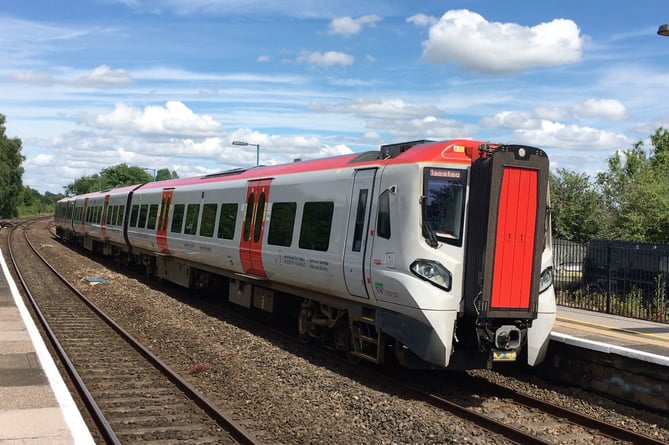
632	338
35	404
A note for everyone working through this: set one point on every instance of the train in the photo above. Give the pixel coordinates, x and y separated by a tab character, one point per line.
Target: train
437	254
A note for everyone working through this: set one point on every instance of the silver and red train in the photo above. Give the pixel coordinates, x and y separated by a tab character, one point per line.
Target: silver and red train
437	252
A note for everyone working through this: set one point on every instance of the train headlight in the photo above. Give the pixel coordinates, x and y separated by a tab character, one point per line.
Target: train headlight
433	272
546	279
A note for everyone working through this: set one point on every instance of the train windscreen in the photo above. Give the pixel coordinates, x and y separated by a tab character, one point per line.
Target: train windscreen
444	205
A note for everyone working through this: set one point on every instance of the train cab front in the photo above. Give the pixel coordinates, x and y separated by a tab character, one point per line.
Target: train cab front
508	254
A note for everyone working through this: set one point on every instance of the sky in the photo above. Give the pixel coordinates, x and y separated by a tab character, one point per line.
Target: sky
88	85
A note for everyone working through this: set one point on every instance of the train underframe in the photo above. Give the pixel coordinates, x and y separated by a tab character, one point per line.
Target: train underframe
346	326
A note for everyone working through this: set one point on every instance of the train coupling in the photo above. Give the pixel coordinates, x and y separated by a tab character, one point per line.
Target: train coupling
508	339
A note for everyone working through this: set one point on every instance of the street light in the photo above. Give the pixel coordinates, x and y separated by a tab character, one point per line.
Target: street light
257	146
152	169
663	30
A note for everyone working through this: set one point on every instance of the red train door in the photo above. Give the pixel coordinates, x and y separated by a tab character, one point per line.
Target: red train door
161	230
255	209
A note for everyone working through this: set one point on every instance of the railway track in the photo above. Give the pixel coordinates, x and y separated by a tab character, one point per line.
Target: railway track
132	395
518	417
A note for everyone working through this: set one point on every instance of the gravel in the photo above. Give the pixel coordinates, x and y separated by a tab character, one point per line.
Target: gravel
293	396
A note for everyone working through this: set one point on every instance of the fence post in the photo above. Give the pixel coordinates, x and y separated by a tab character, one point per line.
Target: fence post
608	284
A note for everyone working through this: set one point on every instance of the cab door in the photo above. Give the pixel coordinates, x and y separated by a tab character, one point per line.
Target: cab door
161	230
356	269
253	227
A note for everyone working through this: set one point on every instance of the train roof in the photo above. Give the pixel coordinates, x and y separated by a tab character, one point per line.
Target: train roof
456	151
459	151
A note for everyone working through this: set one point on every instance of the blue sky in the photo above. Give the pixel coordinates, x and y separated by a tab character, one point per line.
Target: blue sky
170	84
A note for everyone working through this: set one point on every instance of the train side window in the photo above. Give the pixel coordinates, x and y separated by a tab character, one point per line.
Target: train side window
227	221
316	225
192	213
112	215
208	220
143	212
282	223
383	220
360	220
133	215
178	218
98	215
153	215
260	212
247	218
121	213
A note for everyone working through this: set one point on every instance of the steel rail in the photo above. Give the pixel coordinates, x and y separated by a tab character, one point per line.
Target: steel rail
236	430
94	410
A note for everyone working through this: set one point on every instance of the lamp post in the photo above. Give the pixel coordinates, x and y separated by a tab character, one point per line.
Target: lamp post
257	146
152	169
663	30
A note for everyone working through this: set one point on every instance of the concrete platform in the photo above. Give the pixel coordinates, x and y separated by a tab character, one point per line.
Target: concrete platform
35	404
628	337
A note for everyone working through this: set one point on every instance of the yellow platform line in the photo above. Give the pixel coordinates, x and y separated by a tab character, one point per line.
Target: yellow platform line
613	331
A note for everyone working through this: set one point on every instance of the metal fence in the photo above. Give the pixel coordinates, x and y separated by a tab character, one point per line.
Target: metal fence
617	277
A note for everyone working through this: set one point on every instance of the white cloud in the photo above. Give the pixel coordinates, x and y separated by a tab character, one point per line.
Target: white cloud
605	108
32	77
429	127
174	118
348	26
42	159
422	20
377	108
551	113
511	119
325	59
468	39
102	77
555	134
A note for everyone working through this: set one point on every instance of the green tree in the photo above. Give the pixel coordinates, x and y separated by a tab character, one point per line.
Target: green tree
117	176
85	184
636	190
578	210
121	175
33	203
164	173
11	173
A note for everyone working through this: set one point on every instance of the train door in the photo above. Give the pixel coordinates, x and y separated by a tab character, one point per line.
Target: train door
161	230
250	244
357	232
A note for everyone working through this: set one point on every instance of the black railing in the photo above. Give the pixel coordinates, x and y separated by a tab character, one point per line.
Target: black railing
617	277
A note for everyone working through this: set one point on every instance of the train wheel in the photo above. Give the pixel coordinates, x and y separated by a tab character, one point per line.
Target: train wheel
305	324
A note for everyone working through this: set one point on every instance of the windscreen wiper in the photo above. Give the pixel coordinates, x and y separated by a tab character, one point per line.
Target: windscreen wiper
428	233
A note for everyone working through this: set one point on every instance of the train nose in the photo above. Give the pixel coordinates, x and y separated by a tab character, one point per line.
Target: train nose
508	337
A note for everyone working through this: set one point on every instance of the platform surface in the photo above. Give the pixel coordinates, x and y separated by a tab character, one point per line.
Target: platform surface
640	339
35	404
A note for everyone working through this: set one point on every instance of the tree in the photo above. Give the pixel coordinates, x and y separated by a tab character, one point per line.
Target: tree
636	190
11	173
164	173
117	176
577	207
121	175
